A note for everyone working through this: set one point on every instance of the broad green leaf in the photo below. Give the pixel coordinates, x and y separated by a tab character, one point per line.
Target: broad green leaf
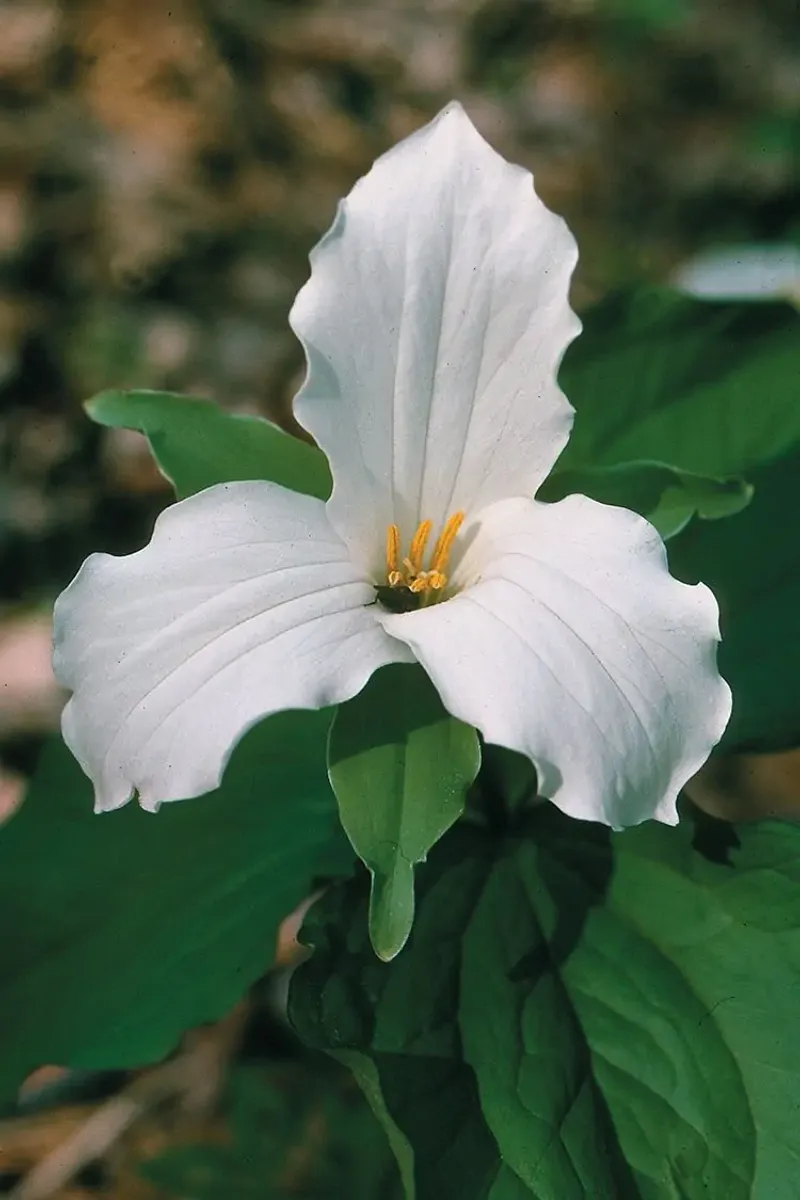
122	930
669	498
752	564
709	387
579	1015
197	444
396	1024
400	766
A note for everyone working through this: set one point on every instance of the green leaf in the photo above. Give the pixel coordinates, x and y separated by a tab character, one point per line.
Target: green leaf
752	564
396	1024
669	498
697	495
579	1014
122	930
709	387
197	444
400	766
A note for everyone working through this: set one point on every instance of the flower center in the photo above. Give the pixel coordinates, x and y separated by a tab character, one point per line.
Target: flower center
409	583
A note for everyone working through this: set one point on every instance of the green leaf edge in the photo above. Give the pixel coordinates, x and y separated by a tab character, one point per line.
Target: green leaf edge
298	465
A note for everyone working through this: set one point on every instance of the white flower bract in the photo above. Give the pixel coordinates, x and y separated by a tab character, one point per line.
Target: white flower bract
433	323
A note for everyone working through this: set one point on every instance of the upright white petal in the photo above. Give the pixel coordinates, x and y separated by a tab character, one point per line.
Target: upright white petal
433	323
572	644
244	603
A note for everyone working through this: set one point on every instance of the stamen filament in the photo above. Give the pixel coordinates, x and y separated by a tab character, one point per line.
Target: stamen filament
392	552
444	544
418	543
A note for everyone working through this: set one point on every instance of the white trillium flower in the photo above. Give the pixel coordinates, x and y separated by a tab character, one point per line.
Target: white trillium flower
434	322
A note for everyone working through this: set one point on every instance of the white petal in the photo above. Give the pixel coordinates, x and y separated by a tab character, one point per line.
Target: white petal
434	322
574	646
244	603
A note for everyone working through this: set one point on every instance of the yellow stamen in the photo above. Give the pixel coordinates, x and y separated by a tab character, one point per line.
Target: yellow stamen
418	544
393	553
444	545
409	572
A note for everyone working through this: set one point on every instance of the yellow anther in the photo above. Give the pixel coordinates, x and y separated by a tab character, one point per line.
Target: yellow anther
393	553
418	543
436	580
395	578
444	544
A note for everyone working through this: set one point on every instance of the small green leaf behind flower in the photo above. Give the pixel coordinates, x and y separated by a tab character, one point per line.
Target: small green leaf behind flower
400	766
668	497
196	443
677	401
708	387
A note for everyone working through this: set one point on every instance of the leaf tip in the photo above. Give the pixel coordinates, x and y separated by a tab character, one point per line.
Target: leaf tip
391	910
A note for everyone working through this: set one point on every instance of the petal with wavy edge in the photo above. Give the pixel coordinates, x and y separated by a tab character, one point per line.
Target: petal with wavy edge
244	603
572	644
433	322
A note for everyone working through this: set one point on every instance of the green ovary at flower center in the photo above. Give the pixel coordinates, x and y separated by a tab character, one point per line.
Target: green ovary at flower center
409	582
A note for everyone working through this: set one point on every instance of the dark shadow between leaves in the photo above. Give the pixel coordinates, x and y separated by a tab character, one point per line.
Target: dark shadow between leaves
713	838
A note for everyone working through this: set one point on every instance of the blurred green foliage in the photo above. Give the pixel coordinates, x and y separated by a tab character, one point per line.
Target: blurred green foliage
299	1132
